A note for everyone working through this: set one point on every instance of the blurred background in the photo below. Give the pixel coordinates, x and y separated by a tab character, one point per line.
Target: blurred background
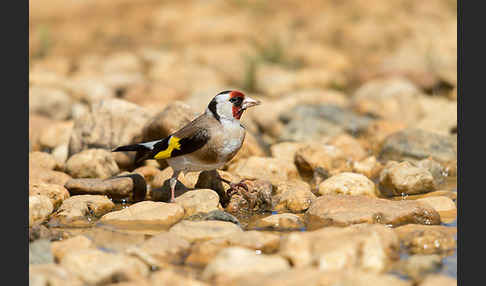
176	48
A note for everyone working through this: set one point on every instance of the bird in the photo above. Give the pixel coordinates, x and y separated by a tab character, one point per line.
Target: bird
204	144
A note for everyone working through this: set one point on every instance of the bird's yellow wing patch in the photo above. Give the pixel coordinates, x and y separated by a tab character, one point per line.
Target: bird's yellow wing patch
173	144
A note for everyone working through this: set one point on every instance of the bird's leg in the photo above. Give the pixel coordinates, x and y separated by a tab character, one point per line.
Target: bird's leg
173	182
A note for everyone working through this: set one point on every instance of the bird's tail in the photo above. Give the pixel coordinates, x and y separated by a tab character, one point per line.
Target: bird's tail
143	152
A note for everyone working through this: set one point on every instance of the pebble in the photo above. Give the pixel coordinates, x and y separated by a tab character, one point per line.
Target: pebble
95	267
293	196
145	214
403	178
40	207
348	183
264	168
343	210
198	201
222	267
427	239
56	193
367	247
194	231
92	163
81	210
161	250
61	248
285	221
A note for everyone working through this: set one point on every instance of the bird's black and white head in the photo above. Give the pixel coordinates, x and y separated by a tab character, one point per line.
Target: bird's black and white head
230	105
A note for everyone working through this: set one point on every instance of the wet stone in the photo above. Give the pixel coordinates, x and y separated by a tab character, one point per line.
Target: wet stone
161	250
427	239
283	221
368	247
81	210
170	277
194	231
343	210
293	196
198	201
404	178
62	247
40	175
419	265
438	280
40	207
119	187
222	267
215	215
96	267
43	160
145	214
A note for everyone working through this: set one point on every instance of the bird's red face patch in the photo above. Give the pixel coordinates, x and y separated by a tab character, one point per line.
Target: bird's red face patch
237	98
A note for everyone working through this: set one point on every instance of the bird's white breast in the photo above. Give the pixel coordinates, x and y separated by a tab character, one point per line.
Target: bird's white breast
233	135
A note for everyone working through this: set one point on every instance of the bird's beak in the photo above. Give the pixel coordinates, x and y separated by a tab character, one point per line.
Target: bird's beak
249	102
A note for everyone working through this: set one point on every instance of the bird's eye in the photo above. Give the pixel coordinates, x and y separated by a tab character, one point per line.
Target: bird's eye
236	101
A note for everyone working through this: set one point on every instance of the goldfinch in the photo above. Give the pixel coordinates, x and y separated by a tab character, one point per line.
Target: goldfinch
206	143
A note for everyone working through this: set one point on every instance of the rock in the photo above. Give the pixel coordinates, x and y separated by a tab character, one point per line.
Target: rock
285	150
37	124
119	187
43	160
283	221
293	196
161	250
221	216
56	135
445	206
313	276
172	118
55	193
60	153
40	207
351	147
312	122
184	182
92	163
435	168
211	180
369	167
81	210
170	277
40	175
348	184
417	144
61	248
51	275
96	267
121	62
403	178
221	268
378	131
113	240
343	210
89	89
440	115
385	98
430	239
145	214
148	172
109	123
418	265
267	119
256	240
264	168
438	280
198	201
194	231
203	252
40	231
367	247
40	252
318	161
54	103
